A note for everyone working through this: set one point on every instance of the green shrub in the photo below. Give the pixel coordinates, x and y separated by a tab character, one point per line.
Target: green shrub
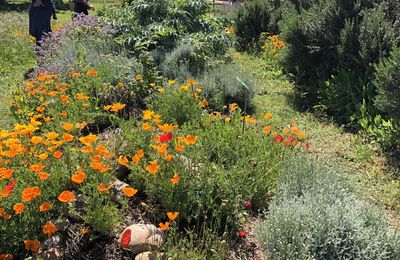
165	24
344	94
253	18
182	63
331	36
176	106
222	87
315	216
381	123
387	82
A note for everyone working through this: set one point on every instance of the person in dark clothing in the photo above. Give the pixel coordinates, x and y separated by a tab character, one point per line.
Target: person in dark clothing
82	6
40	13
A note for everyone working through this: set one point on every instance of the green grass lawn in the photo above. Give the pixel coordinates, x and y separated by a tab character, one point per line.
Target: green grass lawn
358	161
16	58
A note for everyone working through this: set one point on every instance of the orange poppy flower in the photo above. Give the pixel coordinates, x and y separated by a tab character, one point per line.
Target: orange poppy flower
36	140
101	188
19	208
174	180
64	114
32	245
51	135
57	154
129	192
267	129
189	139
68	127
88	140
146	126
81	96
166	127
6	173
30	193
43	156
295	131
267	116
117	107
233	107
147	114
168	157
67	137
49	229
161	149
184	87
64	99
66	196
136	159
140	153
203	103
45	206
164	226
285	131
249	119
99	166
192	82
79	176
172	215
153	167
301	135
179	148
43	176
123	160
91	73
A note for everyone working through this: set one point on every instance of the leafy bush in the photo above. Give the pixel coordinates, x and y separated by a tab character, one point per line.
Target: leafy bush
162	29
182	63
344	94
387	82
207	168
222	87
253	18
331	36
177	105
164	23
315	216
381	123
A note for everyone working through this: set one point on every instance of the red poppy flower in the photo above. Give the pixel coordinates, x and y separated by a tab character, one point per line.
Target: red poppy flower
166	137
278	139
126	238
307	146
290	140
243	234
10	186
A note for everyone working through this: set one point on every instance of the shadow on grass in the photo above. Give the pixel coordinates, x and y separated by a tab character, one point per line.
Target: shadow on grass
23	7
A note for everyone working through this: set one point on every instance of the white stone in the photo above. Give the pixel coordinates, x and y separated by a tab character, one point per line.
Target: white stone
143	237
